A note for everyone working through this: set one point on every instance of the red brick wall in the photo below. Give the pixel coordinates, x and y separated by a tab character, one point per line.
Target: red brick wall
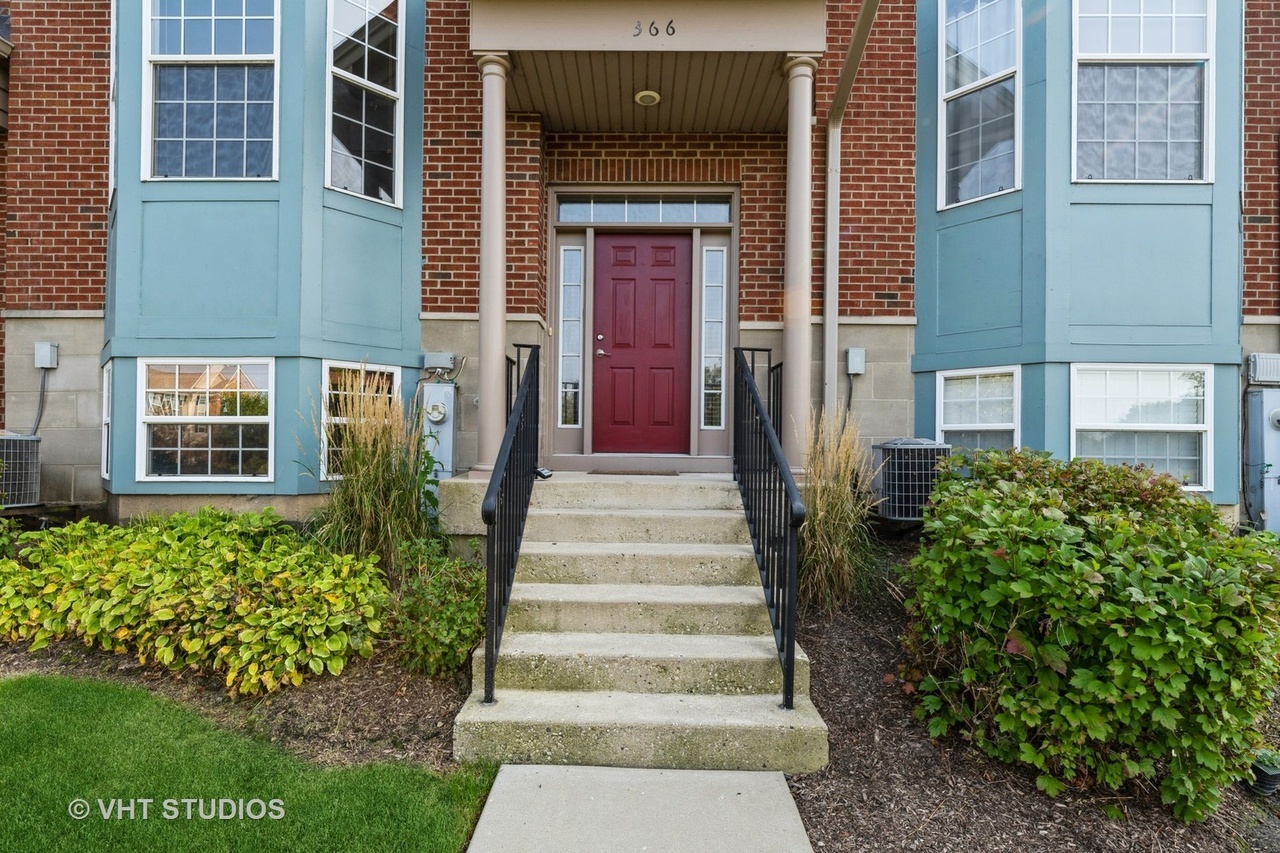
1262	158
57	155
4	207
877	199
758	162
451	162
879	150
526	213
451	178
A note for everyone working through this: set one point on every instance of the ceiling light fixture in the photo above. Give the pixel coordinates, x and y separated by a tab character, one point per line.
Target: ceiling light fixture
647	98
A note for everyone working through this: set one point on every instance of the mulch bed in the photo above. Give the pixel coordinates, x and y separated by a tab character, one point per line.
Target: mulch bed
888	786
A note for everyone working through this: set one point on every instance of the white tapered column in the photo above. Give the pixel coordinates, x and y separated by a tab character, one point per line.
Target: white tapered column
797	304
493	260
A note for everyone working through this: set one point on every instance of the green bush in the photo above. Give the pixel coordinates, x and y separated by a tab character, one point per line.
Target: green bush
839	558
1095	623
240	594
439	609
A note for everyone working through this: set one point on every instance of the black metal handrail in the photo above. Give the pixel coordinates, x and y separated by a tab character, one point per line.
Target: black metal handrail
514	372
772	503
505	508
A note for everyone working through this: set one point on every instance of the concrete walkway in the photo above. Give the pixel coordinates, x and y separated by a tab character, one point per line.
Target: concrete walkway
535	808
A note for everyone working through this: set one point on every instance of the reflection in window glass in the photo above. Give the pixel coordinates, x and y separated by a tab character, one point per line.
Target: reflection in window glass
365	98
714	290
979	411
214	117
206	419
1149	416
571	296
980	97
345	384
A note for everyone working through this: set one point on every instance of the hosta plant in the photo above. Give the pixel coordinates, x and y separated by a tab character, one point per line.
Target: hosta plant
242	595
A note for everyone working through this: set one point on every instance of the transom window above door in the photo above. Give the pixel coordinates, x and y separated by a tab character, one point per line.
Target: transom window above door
684	210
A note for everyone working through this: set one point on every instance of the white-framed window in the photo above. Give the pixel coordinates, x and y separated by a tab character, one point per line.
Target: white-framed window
980	409
210	89
342	378
981	49
715	265
1159	416
1142	83
572	266
667	209
206	419
366	79
106	421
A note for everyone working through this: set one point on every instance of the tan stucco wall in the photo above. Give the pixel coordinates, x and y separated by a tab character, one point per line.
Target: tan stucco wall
1260	337
883	397
460	335
289	507
71	427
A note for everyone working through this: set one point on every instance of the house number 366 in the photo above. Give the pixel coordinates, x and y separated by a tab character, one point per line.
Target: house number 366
653	28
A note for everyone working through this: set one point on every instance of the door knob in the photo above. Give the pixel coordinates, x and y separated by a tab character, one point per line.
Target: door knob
601	353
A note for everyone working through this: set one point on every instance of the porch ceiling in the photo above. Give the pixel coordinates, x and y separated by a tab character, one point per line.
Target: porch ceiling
593	91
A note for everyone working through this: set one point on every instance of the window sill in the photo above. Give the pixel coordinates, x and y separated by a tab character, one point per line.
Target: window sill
971	201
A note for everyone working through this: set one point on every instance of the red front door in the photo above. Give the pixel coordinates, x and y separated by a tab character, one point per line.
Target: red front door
640	345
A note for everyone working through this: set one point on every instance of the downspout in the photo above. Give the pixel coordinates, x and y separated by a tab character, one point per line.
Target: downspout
831	266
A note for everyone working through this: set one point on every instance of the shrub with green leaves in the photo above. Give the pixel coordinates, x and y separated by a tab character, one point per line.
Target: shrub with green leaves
1095	623
240	594
439	610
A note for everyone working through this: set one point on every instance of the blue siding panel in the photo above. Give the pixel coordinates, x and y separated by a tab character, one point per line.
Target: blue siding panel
209	269
980	284
363	271
1145	273
1120	280
281	268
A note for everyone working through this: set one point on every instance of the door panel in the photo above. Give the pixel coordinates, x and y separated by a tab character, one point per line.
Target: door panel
641	385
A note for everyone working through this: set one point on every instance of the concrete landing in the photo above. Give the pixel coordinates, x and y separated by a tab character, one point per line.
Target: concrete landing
541	809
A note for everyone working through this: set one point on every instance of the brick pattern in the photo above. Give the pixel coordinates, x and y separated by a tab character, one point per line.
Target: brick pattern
56	221
1261	213
877	198
758	162
877	193
4	256
526	213
451	167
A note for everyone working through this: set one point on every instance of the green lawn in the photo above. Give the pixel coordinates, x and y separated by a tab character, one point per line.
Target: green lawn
65	740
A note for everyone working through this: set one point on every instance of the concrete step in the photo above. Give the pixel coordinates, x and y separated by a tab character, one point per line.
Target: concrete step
710	526
660	730
642	663
638	609
636	562
569	490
